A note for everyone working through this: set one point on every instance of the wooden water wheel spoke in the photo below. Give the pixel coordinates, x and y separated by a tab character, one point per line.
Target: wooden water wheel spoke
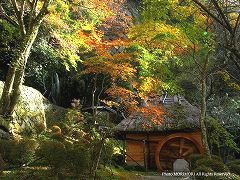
181	146
188	152
171	155
172	152
173	148
177	145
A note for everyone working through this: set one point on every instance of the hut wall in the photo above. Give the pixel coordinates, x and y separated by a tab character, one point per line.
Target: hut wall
135	147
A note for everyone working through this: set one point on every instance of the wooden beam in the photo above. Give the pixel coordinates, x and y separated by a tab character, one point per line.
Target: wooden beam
145	155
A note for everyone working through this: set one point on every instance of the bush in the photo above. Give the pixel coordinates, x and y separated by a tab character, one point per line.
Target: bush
118	160
194	158
234	166
107	153
53	153
79	158
134	168
214	163
73	157
18	152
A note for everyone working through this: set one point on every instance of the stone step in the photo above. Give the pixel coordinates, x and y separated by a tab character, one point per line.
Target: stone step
168	103
168	100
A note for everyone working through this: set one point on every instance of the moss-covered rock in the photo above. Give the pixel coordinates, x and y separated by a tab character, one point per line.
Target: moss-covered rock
31	113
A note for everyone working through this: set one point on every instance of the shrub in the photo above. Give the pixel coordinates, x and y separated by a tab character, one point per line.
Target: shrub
107	153
194	158
79	158
59	155
53	153
18	152
214	163
234	166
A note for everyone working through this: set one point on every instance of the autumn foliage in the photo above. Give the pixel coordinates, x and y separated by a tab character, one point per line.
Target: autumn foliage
154	114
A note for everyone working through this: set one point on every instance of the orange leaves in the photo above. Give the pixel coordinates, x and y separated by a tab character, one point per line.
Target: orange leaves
95	39
114	67
111	32
124	97
120	92
153	113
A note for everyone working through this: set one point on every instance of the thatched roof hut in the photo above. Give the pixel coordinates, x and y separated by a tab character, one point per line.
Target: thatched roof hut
161	131
175	117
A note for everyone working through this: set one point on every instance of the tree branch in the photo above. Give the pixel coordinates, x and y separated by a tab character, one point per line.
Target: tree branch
205	9
236	54
219	10
32	12
236	24
19	14
7	17
42	12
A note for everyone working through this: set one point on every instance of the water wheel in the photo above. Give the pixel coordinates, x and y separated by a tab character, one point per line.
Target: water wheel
174	147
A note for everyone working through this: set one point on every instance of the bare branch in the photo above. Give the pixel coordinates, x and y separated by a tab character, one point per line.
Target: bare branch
15	7
43	11
19	14
205	9
7	17
32	12
219	10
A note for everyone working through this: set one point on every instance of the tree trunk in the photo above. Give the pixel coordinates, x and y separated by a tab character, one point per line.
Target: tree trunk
95	165
204	107
15	75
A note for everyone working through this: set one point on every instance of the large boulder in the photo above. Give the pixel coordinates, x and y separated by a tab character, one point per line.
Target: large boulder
29	116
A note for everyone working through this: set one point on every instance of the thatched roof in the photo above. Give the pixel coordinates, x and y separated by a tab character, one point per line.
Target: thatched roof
176	117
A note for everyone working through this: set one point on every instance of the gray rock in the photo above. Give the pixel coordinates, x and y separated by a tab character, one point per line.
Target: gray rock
181	165
29	116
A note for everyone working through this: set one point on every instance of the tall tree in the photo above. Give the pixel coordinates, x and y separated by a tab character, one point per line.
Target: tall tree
225	17
180	29
27	17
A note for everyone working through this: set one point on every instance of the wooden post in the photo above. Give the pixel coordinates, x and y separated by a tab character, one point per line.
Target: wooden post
145	155
149	152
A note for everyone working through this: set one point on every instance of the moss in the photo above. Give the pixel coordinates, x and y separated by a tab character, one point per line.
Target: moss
177	111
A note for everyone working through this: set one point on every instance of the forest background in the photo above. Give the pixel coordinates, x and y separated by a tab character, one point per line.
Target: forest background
116	53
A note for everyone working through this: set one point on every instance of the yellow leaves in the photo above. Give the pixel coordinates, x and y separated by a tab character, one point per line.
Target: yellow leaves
100	7
59	7
56	21
228	80
159	35
148	85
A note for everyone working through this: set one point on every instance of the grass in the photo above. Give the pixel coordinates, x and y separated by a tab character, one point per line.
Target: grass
46	173
110	173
